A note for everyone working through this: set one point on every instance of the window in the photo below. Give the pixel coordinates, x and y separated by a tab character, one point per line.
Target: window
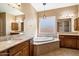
47	25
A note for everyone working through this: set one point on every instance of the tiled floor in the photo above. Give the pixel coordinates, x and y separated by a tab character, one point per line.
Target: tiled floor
63	52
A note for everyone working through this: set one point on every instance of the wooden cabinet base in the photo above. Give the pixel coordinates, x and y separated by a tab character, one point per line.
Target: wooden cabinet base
69	41
4	53
21	49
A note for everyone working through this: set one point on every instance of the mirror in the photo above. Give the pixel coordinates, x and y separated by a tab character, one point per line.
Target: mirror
64	25
8	22
18	25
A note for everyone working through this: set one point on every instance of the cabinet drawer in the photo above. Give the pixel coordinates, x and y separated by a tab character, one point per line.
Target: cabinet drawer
61	36
78	37
25	51
18	53
4	53
70	37
18	47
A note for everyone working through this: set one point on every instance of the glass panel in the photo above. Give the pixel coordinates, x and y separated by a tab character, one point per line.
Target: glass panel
48	26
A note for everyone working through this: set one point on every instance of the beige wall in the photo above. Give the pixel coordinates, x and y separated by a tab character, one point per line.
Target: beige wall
61	13
30	21
9	18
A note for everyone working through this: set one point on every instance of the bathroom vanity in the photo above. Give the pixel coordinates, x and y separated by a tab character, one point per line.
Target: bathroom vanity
21	49
17	47
69	41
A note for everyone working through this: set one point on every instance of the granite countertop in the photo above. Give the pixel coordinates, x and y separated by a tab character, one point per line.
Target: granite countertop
10	43
24	37
69	33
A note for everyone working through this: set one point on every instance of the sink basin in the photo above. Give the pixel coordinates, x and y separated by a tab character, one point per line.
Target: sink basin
6	38
11	37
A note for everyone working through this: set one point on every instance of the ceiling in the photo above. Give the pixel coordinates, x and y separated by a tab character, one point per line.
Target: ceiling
4	7
39	6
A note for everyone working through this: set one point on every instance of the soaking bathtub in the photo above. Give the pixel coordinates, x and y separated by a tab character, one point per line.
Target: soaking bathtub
44	40
43	45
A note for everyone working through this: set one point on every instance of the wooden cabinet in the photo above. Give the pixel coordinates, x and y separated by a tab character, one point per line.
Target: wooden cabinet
25	51
61	41
18	53
14	26
4	53
21	49
31	48
68	41
78	43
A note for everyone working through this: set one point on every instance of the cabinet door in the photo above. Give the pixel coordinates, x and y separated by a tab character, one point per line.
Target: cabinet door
61	41
31	48
70	42
14	26
25	51
18	53
4	53
77	44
